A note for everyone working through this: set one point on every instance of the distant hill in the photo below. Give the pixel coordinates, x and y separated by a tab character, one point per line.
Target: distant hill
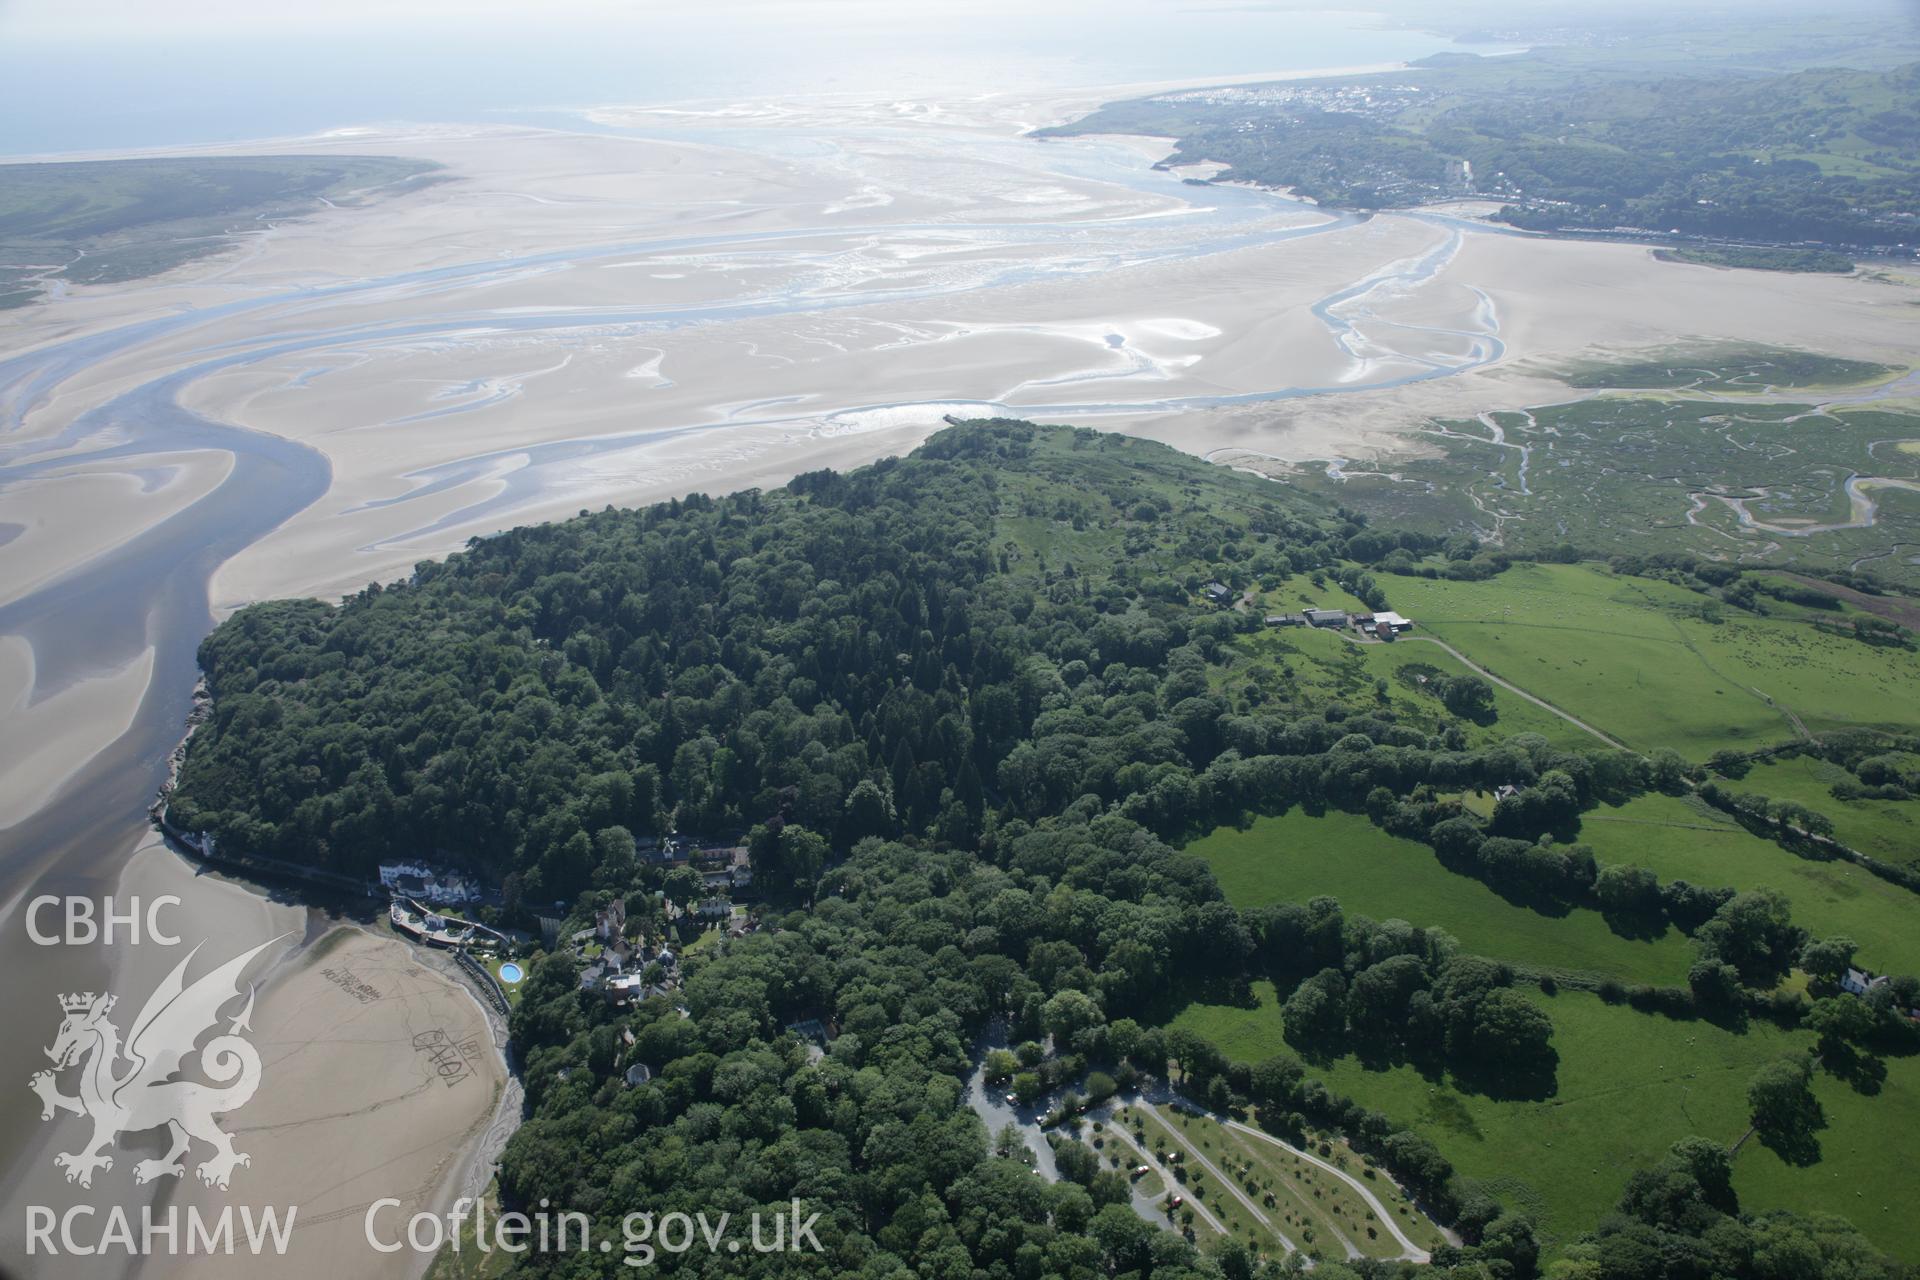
105	221
1574	140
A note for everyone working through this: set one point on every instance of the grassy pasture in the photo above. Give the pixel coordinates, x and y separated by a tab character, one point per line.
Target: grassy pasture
1637	659
1566	1158
1298	856
1682	839
1885	829
1868	1171
1244	1032
1512	714
1326	665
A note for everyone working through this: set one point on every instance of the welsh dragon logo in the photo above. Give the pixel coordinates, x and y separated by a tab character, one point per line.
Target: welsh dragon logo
147	1092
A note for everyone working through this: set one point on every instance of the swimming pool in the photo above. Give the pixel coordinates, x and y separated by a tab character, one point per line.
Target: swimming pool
510	973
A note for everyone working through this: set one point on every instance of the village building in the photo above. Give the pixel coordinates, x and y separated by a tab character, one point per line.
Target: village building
426	881
816	1035
1858	982
411	920
735	873
611	920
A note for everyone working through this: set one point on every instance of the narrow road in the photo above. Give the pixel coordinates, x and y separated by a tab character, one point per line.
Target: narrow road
1514	689
1799	727
1412	1252
1230	1183
1168	1181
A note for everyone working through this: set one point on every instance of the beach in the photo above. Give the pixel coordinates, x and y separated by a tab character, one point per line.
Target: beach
378	1073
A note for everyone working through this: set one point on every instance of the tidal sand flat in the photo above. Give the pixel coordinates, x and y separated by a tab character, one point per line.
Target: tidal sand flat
569	320
49	738
378	1072
65	515
379	1075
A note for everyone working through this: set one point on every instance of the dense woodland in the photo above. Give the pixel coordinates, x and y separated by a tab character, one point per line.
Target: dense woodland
963	753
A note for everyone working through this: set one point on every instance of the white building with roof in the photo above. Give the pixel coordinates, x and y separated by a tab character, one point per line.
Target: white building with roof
1858	982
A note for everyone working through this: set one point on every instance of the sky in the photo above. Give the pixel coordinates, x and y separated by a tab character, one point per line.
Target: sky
164	19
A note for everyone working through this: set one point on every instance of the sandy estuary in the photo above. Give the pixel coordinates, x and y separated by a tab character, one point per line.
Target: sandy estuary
694	302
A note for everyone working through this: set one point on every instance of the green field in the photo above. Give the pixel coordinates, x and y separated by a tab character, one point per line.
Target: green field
1329	664
1512	713
1296	593
1884	829
1244	1032
1565	1158
1684	839
1637	658
1868	1171
1297	856
1630	1085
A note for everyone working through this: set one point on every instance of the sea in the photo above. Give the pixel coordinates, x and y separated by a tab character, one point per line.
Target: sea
110	76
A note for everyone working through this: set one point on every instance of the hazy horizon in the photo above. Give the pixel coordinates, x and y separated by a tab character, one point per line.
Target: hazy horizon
63	90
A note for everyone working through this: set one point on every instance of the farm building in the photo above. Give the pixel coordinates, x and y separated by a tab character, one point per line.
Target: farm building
1326	617
1218	592
1285	620
1392	619
1860	981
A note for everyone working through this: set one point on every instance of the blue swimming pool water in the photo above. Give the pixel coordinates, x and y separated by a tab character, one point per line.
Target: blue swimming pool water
510	973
